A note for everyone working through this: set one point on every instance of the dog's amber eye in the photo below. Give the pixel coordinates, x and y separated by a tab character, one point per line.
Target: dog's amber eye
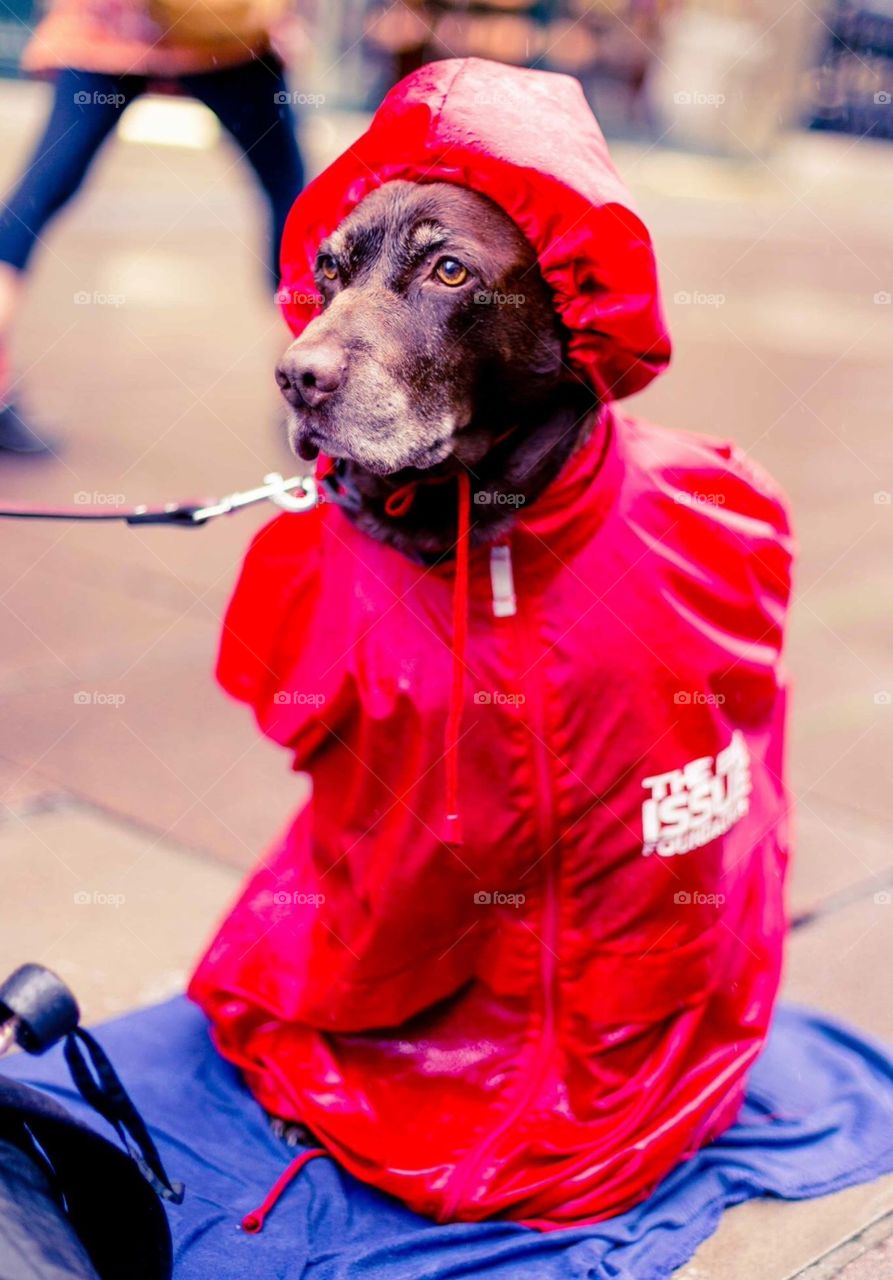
451	272
328	266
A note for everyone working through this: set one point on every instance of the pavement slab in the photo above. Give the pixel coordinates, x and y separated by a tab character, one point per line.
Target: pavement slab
159	744
840	853
827	965
841	963
23	788
783	1239
118	913
866	1256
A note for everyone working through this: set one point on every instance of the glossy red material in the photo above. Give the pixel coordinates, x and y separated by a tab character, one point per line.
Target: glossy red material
541	1023
528	140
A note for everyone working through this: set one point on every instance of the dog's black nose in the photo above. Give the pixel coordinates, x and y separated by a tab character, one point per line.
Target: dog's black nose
309	376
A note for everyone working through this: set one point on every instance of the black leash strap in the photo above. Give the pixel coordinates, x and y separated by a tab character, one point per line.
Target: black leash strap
98	1084
299	493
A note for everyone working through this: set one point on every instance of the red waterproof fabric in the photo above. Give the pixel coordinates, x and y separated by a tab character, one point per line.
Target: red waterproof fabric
528	140
541	1022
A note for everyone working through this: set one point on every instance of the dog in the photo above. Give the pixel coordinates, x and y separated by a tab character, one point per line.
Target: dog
438	348
518	952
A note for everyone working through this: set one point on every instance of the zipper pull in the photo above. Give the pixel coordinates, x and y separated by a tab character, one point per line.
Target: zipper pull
502	582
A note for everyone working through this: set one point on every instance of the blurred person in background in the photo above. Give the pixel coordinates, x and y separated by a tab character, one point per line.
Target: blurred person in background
101	55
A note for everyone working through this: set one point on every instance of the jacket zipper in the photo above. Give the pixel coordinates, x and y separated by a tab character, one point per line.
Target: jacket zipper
547	826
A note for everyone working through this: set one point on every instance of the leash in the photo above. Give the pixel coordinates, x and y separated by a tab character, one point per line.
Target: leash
332	484
299	493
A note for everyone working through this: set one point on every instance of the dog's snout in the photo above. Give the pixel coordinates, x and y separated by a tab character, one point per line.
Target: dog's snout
310	375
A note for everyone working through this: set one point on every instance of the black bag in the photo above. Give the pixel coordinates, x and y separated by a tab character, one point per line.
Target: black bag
72	1205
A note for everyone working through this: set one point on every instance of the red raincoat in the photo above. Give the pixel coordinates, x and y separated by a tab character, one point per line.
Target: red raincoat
542	1021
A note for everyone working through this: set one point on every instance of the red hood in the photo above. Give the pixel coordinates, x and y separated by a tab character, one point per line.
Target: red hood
528	140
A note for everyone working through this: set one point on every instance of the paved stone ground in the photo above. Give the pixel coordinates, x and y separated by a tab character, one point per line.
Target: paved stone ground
132	793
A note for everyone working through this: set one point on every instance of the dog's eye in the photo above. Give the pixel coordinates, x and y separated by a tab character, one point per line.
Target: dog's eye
328	266
451	272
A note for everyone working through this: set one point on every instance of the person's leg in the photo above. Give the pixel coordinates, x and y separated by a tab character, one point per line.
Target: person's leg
253	104
10	294
86	107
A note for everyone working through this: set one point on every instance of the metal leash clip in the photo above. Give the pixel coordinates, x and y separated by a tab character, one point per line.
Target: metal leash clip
299	493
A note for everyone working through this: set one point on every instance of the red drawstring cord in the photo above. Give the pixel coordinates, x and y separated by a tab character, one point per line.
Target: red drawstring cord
254	1221
457	646
399	502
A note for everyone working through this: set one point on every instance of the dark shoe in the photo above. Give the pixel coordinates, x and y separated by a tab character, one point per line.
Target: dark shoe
17	436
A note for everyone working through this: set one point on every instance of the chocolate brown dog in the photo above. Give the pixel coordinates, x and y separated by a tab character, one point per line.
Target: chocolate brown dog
438	348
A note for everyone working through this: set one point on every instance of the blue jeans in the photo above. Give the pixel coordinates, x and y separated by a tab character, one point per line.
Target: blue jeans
251	101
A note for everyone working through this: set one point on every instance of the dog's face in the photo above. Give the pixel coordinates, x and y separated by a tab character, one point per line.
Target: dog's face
437	328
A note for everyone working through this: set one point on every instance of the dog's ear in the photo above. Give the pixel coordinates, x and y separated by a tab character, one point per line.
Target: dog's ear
531	333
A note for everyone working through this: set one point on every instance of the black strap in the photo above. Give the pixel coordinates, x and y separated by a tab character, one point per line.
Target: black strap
98	1084
183	513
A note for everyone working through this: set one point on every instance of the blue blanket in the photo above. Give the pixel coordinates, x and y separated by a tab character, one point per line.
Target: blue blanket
819	1117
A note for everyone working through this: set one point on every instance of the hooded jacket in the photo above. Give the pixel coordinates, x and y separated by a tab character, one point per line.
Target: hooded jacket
541	1021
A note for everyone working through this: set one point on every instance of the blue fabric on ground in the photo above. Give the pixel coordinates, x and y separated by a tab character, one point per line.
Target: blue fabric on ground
819	1117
